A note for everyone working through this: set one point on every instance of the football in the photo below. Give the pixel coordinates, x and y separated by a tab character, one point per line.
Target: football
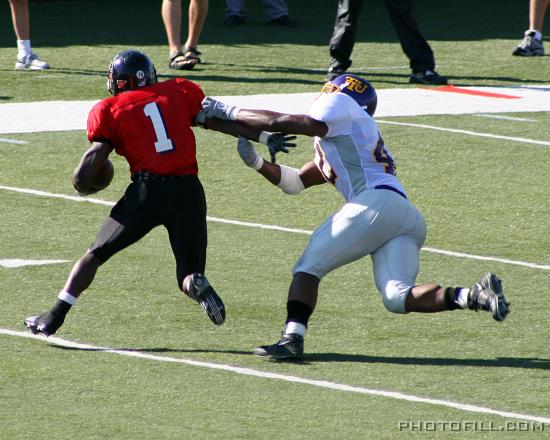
103	177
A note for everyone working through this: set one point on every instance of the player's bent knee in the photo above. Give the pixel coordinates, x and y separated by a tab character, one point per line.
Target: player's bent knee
311	270
394	296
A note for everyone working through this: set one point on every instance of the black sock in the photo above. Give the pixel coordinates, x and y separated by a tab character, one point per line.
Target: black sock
61	308
450	298
298	311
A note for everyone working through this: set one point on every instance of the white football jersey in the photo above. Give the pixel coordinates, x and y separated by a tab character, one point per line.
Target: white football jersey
352	155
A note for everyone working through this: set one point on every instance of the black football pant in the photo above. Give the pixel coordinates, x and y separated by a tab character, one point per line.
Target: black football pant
403	17
176	202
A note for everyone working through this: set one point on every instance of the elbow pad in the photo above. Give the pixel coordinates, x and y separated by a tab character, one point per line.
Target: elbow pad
290	181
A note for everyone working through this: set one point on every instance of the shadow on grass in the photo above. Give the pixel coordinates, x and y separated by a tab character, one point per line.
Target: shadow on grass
53	70
318	76
506	362
268	75
311	358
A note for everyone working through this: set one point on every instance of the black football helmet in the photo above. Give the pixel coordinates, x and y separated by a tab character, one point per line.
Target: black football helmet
130	70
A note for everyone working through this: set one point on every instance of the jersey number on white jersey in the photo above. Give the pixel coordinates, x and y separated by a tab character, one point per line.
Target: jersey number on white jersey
382	155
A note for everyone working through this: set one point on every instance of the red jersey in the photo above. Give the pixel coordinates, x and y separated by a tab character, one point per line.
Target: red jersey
151	126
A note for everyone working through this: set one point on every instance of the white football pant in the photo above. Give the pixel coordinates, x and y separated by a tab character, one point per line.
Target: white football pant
377	222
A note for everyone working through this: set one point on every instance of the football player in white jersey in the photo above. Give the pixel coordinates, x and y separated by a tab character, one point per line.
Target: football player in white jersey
377	218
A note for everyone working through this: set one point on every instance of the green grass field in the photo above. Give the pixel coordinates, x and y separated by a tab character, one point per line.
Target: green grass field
480	196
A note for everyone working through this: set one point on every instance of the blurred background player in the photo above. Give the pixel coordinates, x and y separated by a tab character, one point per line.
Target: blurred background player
165	189
171	12
403	17
26	58
531	45
275	10
377	218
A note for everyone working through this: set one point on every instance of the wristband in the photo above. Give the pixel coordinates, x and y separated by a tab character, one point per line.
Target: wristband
259	163
232	114
264	136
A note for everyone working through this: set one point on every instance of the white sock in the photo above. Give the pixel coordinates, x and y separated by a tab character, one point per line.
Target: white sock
296	328
538	35
23	48
67	297
462	297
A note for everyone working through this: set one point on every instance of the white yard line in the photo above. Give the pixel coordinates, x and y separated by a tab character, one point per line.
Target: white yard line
283	377
12	141
467	132
35	192
487	258
275	227
11	263
505	118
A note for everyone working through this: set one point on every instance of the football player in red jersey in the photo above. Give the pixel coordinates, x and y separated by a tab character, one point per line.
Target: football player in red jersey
149	124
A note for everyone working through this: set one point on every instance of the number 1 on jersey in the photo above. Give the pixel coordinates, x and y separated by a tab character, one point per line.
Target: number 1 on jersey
163	143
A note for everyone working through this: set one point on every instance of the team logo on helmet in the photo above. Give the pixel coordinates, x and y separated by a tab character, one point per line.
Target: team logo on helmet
359	89
354	85
140	75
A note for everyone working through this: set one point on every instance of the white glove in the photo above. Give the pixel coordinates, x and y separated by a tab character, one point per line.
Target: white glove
248	153
218	109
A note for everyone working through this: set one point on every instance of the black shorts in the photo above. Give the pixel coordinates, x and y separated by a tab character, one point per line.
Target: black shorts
176	202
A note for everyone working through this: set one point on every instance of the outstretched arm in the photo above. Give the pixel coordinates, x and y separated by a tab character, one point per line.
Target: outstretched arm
251	123
290	180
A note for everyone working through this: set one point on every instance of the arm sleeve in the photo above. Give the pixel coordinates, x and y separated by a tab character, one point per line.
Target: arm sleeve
334	110
99	123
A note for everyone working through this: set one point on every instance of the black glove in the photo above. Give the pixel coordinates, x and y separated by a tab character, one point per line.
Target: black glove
277	142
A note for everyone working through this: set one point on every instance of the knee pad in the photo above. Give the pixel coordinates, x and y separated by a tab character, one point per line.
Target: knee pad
394	295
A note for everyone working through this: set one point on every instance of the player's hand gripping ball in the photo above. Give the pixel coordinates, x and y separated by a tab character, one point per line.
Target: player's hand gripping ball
104	176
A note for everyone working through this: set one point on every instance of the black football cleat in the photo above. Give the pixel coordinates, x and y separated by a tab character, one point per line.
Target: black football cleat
428	77
290	346
487	295
46	324
201	291
337	68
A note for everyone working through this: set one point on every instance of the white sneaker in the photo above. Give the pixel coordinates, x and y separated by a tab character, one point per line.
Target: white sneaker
31	62
530	46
